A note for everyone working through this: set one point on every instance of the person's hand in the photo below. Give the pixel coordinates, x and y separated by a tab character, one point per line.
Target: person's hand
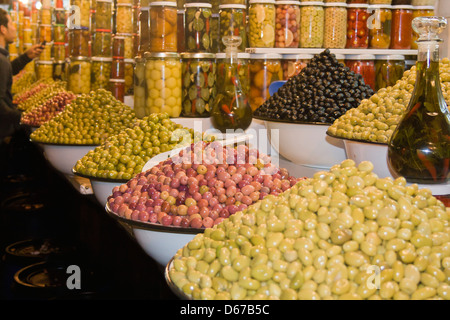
34	51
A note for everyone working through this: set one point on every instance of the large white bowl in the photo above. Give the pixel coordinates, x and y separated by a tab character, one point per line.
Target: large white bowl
103	189
64	157
305	144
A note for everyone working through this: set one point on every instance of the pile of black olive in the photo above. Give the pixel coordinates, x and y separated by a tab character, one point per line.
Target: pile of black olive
323	91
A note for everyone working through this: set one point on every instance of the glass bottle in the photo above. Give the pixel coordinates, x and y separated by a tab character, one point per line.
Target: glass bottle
231	109
419	149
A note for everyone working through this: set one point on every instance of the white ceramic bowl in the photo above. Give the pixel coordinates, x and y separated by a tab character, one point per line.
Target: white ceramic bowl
103	189
305	144
64	157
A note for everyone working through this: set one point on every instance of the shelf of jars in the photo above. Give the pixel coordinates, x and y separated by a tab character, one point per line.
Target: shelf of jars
376	52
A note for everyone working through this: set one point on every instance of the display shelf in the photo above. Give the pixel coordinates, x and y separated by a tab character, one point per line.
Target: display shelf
376	52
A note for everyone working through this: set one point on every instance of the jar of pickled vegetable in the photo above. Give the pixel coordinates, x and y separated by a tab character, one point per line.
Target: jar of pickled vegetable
144	29
59	70
215	33
264	69
198	84
46	54
27	36
128	45
233	22
401	34
335	35
243	70
101	43
59	33
44	69
163	80
357	29
388	69
181	45
79	42
103	9
100	72
420	11
117	68
163	26
59	51
129	75
60	16
380	23
292	64
45	33
312	24
140	88
118	50
261	23
124	18
287	24
84	14
198	27
117	88
364	65
79	75
423	2
46	16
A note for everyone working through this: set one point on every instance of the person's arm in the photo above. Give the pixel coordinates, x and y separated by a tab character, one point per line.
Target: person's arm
19	63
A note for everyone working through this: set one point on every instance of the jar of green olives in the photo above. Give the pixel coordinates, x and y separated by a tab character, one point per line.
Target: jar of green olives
261	23
129	75
101	43
140	88
163	81
232	22
388	70
199	84
124	18
198	27
100	72
44	69
59	72
79	75
79	42
59	51
312	24
243	67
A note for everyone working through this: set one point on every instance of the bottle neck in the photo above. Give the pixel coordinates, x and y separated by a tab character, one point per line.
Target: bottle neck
428	51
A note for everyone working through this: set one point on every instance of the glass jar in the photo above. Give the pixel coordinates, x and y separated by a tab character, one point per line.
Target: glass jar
401	2
292	64
59	33
144	29
46	16
380	27
84	16
129	76
140	88
44	69
136	14
101	43
118	68
163	80
181	45
363	64
124	18
401	34
47	52
45	33
163	26
388	2
232	21
243	69
79	75
197	27
388	70
357	29
215	33
60	16
420	11
79	42
128	45
59	70
27	36
261	23
264	69
198	84
118	50
335	35
312	24
287	24
423	2
100	72
103	19
59	51
117	88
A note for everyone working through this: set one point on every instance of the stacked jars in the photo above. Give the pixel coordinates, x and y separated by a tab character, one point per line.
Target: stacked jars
293	64
357	28
420	11
59	42
261	23
312	24
198	27
364	65
335	35
44	66
388	69
117	78
287	24
401	34
232	22
380	26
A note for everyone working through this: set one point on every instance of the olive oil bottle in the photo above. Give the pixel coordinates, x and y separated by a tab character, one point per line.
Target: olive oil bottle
231	109
419	149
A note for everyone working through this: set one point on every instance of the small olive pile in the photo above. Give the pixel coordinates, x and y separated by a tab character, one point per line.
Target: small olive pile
125	154
89	120
198	188
20	97
42	95
23	81
344	234
49	109
376	118
323	91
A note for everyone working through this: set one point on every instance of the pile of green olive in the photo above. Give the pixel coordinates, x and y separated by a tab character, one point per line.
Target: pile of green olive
342	234
47	92
89	120
376	118
124	155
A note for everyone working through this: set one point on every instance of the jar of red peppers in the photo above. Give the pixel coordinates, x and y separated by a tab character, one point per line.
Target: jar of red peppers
118	47
117	88
118	69
380	25
363	64
401	34
357	29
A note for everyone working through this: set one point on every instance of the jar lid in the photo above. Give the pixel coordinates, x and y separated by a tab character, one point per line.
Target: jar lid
295	3
262	1
44	62
60	25
59	43
45	25
357	5
265	56
148	55
406	7
163	3
128	60
240	55
198	55
145	8
198	4
103	30
380	6
181	11
59	62
123	35
117	80
312	3
391	57
79	58
79	29
360	57
110	1
232	6
28	30
335	4
297	56
124	5
424	8
101	59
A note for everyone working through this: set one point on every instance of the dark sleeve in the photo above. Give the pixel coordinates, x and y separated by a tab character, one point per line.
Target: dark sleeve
9	116
19	63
